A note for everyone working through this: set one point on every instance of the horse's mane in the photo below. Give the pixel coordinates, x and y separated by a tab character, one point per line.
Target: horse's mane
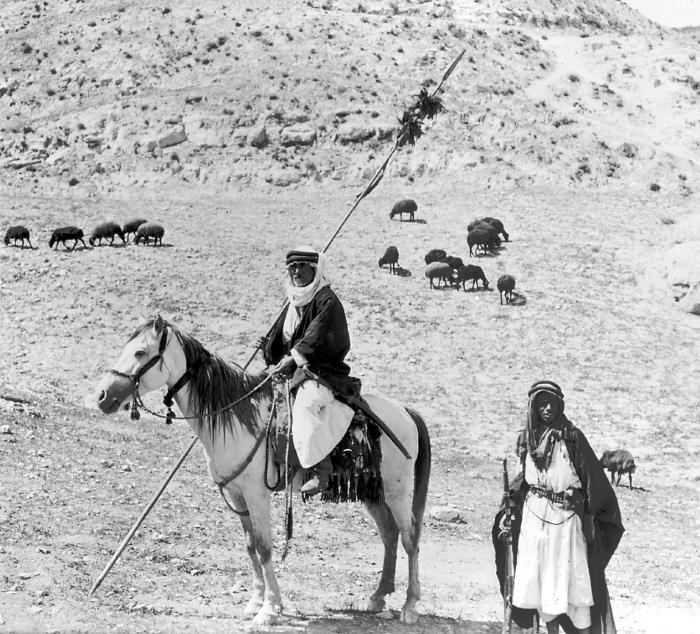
215	384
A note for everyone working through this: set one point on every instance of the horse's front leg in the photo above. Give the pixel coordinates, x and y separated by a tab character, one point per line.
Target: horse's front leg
259	523
389	533
257	594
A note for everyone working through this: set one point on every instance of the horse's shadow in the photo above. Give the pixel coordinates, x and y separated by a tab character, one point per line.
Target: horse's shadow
166	245
345	621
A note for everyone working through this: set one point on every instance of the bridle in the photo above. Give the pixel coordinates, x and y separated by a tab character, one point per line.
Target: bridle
135	380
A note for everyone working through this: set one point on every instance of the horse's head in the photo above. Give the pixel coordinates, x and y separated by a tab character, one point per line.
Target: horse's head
142	365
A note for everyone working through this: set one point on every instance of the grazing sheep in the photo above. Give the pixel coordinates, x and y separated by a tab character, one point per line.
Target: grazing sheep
405	206
497	225
390	257
435	255
506	284
66	233
470	272
108	231
149	230
494	222
17	232
454	262
619	461
132	226
439	270
483	235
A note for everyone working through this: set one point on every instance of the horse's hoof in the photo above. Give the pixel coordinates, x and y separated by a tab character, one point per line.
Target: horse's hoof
267	615
253	606
376	604
409	616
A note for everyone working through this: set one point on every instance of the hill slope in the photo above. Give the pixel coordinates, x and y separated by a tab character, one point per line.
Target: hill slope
93	94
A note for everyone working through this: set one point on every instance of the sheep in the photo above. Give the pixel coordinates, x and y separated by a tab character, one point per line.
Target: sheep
454	262
149	230
390	257
17	232
619	461
505	285
405	206
497	225
66	233
494	222
470	272
435	255
106	230
483	235
441	271
132	226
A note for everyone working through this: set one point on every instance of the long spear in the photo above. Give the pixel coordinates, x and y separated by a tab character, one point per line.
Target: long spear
426	106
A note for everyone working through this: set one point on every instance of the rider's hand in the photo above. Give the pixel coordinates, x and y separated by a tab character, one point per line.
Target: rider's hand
285	368
261	342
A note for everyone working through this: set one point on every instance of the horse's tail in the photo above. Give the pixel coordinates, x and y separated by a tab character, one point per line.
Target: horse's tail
421	471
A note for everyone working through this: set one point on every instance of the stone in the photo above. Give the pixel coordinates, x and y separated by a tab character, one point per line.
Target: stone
297	135
174	138
446	514
352	132
257	137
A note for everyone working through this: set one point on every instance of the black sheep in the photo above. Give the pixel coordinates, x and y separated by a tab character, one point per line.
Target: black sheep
505	285
108	231
483	235
132	226
435	255
470	272
405	206
150	230
618	462
17	232
390	257
66	233
454	262
497	225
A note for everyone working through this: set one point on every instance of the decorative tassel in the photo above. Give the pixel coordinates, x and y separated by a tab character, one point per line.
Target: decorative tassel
135	415
169	417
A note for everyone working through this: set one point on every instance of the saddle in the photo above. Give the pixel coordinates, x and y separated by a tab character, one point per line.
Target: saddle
356	459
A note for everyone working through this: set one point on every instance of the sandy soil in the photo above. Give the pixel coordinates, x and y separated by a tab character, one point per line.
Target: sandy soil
597	317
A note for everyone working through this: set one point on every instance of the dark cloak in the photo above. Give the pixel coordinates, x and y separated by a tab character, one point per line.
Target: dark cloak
321	336
601	503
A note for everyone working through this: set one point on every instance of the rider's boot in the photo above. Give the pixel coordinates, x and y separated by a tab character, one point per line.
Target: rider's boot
321	476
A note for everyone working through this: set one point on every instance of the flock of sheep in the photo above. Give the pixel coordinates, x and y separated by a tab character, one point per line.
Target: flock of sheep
446	270
443	270
143	231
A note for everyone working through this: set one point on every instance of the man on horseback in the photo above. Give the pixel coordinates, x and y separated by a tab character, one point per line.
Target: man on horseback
308	344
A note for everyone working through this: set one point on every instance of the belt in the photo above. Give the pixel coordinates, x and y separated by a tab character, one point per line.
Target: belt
557	498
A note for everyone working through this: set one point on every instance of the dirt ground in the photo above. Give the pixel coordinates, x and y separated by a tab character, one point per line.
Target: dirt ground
596	317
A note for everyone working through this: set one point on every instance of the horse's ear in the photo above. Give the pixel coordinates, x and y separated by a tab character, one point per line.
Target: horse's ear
158	325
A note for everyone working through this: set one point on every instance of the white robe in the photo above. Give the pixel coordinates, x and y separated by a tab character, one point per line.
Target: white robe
319	422
552	572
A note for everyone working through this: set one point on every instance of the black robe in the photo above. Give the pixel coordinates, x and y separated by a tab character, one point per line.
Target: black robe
321	336
601	503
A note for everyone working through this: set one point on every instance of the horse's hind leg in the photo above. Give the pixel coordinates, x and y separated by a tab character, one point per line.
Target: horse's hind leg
410	536
389	533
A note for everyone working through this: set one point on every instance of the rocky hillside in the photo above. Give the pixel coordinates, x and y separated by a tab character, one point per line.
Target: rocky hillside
96	97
